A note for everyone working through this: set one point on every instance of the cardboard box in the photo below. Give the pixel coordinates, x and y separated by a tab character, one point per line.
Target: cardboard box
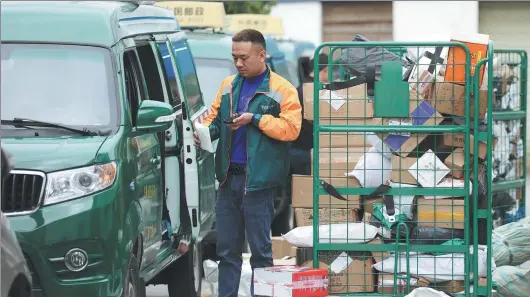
304	216
454	286
285	261
341	139
442	213
456	59
281	248
378	256
400	170
349	272
367	217
456	163
368	204
289	281
335	162
302	192
482	281
519	169
428	70
422	113
451	183
347	103
457	140
385	283
449	98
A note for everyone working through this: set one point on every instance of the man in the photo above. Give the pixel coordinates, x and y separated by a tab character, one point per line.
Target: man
301	149
252	155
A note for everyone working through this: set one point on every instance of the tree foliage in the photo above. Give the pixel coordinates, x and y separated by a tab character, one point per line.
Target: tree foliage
253	7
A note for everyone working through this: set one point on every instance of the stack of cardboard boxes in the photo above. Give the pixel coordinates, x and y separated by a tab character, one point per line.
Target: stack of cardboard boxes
339	153
439	160
437	97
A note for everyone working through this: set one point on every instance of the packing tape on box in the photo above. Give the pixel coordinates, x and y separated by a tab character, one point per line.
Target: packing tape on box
441	216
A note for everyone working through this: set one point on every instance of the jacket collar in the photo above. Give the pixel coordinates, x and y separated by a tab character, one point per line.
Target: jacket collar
264	87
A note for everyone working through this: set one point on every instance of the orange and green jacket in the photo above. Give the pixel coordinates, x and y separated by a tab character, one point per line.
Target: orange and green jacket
276	123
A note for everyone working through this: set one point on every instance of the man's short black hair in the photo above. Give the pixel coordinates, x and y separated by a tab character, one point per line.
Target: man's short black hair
250	35
322	62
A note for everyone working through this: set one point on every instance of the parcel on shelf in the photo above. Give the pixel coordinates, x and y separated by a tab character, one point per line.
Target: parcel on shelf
348	103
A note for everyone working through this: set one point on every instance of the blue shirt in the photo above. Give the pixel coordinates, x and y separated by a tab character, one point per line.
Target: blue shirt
239	145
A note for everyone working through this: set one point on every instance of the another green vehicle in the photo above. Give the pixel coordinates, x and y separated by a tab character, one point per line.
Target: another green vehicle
298	54
109	194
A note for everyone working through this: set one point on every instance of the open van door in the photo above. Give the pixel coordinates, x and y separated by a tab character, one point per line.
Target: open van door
199	173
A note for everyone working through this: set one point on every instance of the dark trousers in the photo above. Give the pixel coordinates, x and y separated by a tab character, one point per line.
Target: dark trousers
300	161
236	213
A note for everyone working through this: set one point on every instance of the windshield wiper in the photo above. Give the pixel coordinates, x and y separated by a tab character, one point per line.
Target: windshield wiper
18	122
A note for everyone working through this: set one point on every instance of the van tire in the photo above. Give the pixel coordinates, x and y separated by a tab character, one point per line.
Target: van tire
183	273
131	284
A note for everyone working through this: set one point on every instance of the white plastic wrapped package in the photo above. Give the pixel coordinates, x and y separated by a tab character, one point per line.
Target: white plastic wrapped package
332	233
435	269
426	292
511	100
511	244
211	275
403	202
512	281
373	169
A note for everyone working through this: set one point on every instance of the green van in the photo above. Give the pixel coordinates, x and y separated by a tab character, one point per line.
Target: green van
108	193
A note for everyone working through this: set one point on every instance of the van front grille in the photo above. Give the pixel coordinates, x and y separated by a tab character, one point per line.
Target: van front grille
22	191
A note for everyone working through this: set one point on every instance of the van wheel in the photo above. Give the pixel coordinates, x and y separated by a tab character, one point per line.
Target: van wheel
131	286
186	274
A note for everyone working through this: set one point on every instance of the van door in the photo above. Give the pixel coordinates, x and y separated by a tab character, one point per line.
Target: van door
148	182
173	143
199	165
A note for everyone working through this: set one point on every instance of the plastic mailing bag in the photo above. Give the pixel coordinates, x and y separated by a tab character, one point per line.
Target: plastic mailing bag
332	233
435	269
211	275
357	60
426	292
372	169
511	244
512	281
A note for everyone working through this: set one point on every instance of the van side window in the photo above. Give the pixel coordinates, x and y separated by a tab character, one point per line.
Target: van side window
189	77
151	72
135	92
170	74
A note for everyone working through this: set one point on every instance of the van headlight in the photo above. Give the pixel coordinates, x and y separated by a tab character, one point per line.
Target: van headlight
74	183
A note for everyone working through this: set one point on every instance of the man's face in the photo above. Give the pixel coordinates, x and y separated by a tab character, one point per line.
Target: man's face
249	58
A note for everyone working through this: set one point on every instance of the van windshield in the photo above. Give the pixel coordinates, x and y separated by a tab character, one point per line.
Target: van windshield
211	73
64	84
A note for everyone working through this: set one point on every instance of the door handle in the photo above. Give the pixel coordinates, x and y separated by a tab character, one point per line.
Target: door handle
155	160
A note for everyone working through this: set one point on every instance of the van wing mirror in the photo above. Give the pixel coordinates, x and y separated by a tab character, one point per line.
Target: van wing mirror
154	116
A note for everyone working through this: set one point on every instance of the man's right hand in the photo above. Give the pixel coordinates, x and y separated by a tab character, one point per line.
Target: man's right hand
196	139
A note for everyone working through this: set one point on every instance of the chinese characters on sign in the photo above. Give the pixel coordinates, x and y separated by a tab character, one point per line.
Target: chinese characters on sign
256	24
187	15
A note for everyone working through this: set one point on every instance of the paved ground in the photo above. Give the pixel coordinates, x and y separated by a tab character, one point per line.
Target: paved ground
161	291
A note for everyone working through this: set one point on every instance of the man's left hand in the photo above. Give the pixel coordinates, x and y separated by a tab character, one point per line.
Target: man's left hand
242	120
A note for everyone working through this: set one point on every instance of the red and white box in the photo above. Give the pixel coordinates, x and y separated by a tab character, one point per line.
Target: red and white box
291	281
